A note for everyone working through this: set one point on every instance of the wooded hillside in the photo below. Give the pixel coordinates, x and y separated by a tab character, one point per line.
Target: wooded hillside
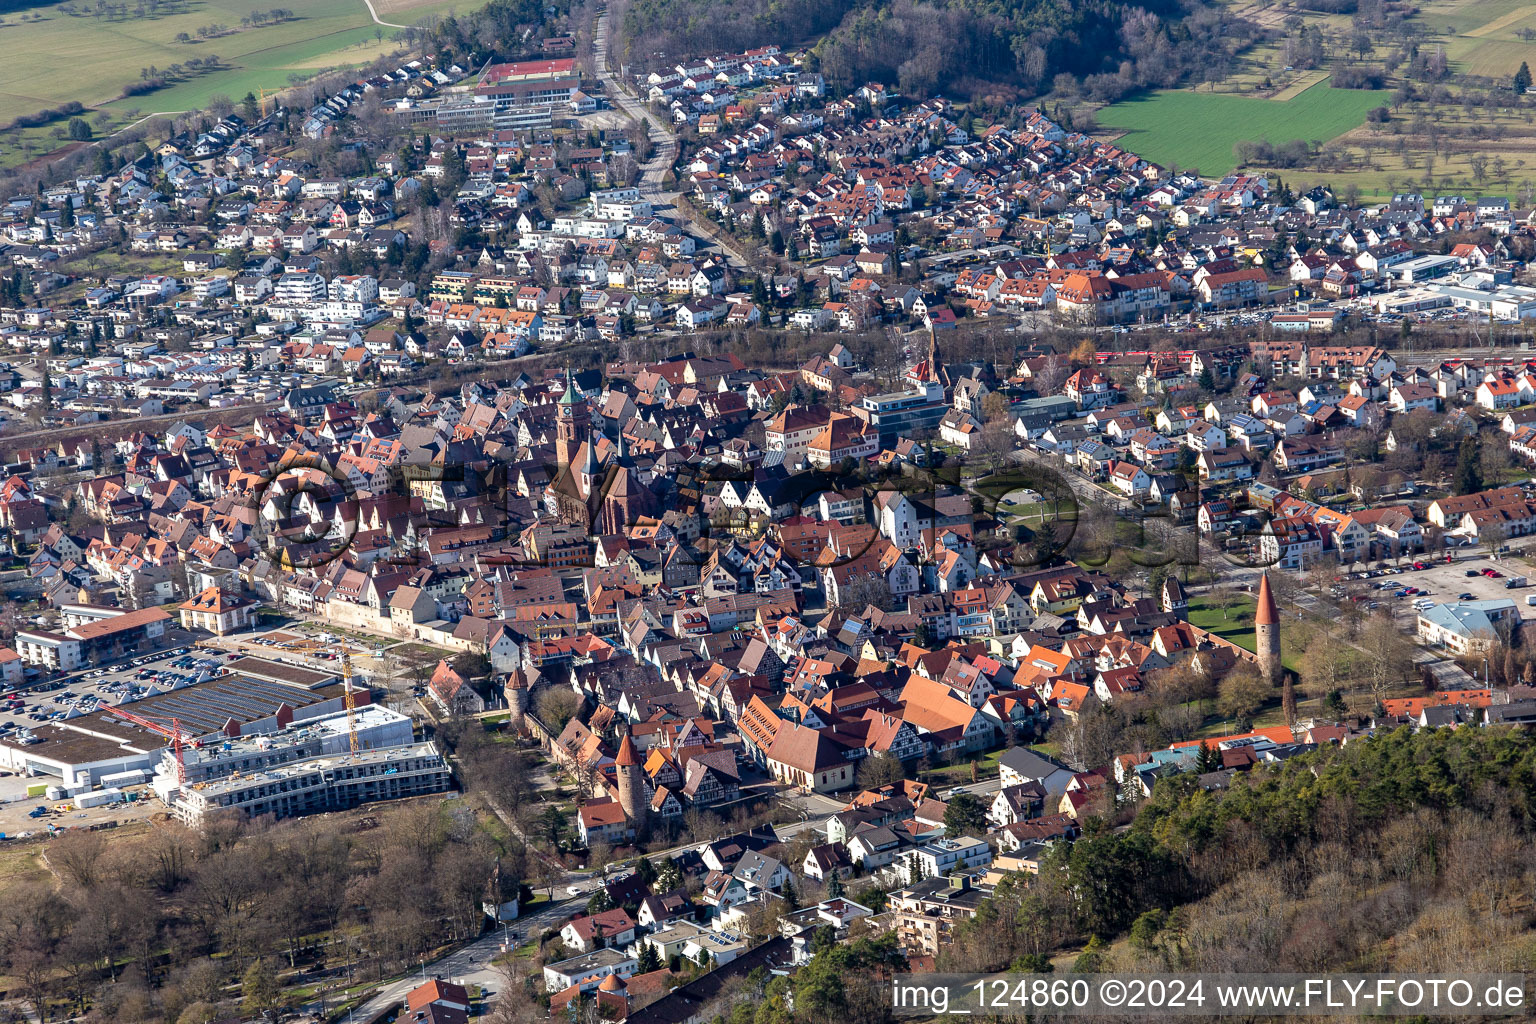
1409	851
1002	48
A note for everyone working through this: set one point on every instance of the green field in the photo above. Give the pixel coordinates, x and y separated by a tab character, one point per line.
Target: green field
82	57
1199	130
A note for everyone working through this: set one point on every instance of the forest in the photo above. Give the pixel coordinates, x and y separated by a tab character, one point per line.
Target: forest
1407	851
1005	49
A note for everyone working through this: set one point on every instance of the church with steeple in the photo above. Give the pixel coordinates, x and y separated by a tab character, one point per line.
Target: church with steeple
594	483
925	376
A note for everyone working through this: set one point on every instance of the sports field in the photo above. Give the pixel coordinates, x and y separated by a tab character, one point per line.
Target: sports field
1199	130
90	59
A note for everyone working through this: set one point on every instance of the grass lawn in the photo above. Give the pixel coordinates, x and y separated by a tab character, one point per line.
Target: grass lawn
1199	130
956	774
1236	625
1037	509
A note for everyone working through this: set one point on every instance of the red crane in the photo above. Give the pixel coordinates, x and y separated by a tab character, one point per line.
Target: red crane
173	733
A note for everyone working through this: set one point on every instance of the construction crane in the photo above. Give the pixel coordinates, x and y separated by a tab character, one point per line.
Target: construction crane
348	699
172	732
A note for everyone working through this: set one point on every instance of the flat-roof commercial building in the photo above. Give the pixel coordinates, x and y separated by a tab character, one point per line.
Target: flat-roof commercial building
330	783
257	697
1425	268
1509	302
526	94
901	413
1411	300
90	639
377	728
81	751
242	704
588	970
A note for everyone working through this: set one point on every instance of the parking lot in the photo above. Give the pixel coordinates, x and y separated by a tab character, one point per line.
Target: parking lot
184	661
1448	582
1441	583
93	689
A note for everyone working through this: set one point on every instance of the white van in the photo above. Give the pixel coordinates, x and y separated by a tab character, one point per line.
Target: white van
1530	599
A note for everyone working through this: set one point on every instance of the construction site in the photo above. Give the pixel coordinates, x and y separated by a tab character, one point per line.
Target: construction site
361	754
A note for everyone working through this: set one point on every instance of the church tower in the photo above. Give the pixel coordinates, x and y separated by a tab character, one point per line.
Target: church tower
1266	628
589	476
570	424
631	784
933	386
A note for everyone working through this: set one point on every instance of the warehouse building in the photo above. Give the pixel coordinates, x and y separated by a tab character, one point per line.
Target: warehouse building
256	696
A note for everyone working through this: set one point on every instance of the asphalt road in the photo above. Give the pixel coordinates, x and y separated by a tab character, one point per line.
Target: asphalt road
471	964
663	142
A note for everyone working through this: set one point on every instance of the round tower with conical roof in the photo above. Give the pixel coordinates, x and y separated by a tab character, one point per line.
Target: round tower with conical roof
631	784
517	700
1266	628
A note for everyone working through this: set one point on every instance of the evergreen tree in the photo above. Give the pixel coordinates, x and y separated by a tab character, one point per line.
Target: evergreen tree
965	816
1208	759
922	636
791	897
1469	471
1522	79
649	959
599	902
47	389
834	885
